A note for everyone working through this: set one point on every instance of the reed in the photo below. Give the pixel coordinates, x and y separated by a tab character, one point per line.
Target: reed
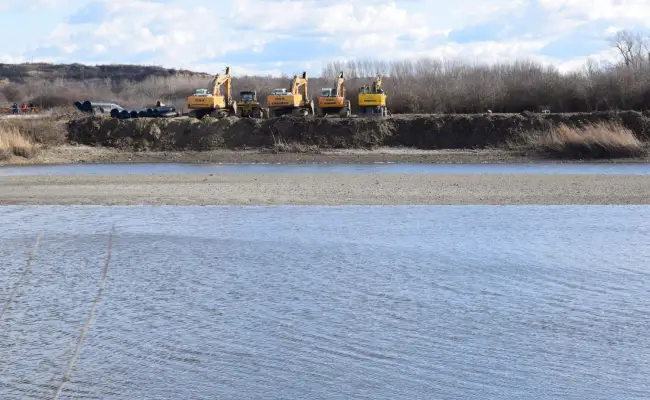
14	143
592	141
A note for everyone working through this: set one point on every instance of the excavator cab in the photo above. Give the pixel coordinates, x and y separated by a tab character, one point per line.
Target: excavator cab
247	96
328	92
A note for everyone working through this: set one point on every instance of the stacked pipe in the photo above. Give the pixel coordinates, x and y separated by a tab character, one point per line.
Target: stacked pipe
152	112
95	107
117	111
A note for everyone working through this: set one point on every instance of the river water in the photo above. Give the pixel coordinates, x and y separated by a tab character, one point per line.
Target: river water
432	302
377	168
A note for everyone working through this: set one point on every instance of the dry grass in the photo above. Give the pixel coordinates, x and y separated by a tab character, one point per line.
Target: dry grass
46	131
13	142
594	141
281	146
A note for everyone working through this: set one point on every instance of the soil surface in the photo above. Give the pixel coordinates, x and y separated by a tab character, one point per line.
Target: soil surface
324	189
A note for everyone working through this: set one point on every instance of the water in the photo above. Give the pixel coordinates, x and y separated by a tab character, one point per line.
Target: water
181	168
430	302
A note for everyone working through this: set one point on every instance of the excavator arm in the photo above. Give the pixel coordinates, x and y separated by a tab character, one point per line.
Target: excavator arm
299	83
376	85
224	80
340	86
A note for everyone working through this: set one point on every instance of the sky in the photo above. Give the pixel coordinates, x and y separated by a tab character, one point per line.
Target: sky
289	36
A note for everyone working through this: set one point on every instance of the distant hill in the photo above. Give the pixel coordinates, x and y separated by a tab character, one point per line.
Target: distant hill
19	73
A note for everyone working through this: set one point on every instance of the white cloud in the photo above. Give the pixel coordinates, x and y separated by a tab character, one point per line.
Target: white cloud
623	10
274	36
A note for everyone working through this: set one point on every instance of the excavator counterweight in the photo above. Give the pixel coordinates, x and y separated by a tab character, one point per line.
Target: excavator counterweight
332	100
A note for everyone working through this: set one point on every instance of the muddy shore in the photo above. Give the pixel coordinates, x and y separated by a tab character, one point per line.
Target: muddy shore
324	189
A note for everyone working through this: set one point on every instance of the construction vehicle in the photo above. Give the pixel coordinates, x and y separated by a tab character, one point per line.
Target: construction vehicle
332	100
215	104
372	100
250	107
293	101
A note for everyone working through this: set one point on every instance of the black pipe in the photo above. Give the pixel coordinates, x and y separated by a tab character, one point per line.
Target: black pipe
163	109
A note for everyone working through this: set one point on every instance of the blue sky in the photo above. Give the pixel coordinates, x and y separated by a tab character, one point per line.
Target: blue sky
288	36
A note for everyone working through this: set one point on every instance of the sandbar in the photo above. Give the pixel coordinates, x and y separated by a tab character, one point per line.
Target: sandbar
324	189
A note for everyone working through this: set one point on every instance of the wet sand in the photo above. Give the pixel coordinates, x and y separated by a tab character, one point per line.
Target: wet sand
324	189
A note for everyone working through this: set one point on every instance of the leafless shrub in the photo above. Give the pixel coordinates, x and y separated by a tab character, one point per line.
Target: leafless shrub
420	86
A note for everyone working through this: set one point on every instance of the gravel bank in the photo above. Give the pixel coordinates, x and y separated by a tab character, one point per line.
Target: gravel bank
322	189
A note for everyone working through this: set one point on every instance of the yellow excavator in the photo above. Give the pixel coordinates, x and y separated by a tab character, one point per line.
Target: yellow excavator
372	100
332	100
215	104
250	107
293	101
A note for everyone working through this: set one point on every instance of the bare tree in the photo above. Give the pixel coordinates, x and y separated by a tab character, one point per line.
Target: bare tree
633	47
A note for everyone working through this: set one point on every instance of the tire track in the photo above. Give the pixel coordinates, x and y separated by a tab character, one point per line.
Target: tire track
22	277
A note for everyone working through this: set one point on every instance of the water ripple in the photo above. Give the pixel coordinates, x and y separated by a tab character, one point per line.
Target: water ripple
329	302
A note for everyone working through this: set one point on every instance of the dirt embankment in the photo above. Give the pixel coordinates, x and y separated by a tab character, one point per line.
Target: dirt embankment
414	131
